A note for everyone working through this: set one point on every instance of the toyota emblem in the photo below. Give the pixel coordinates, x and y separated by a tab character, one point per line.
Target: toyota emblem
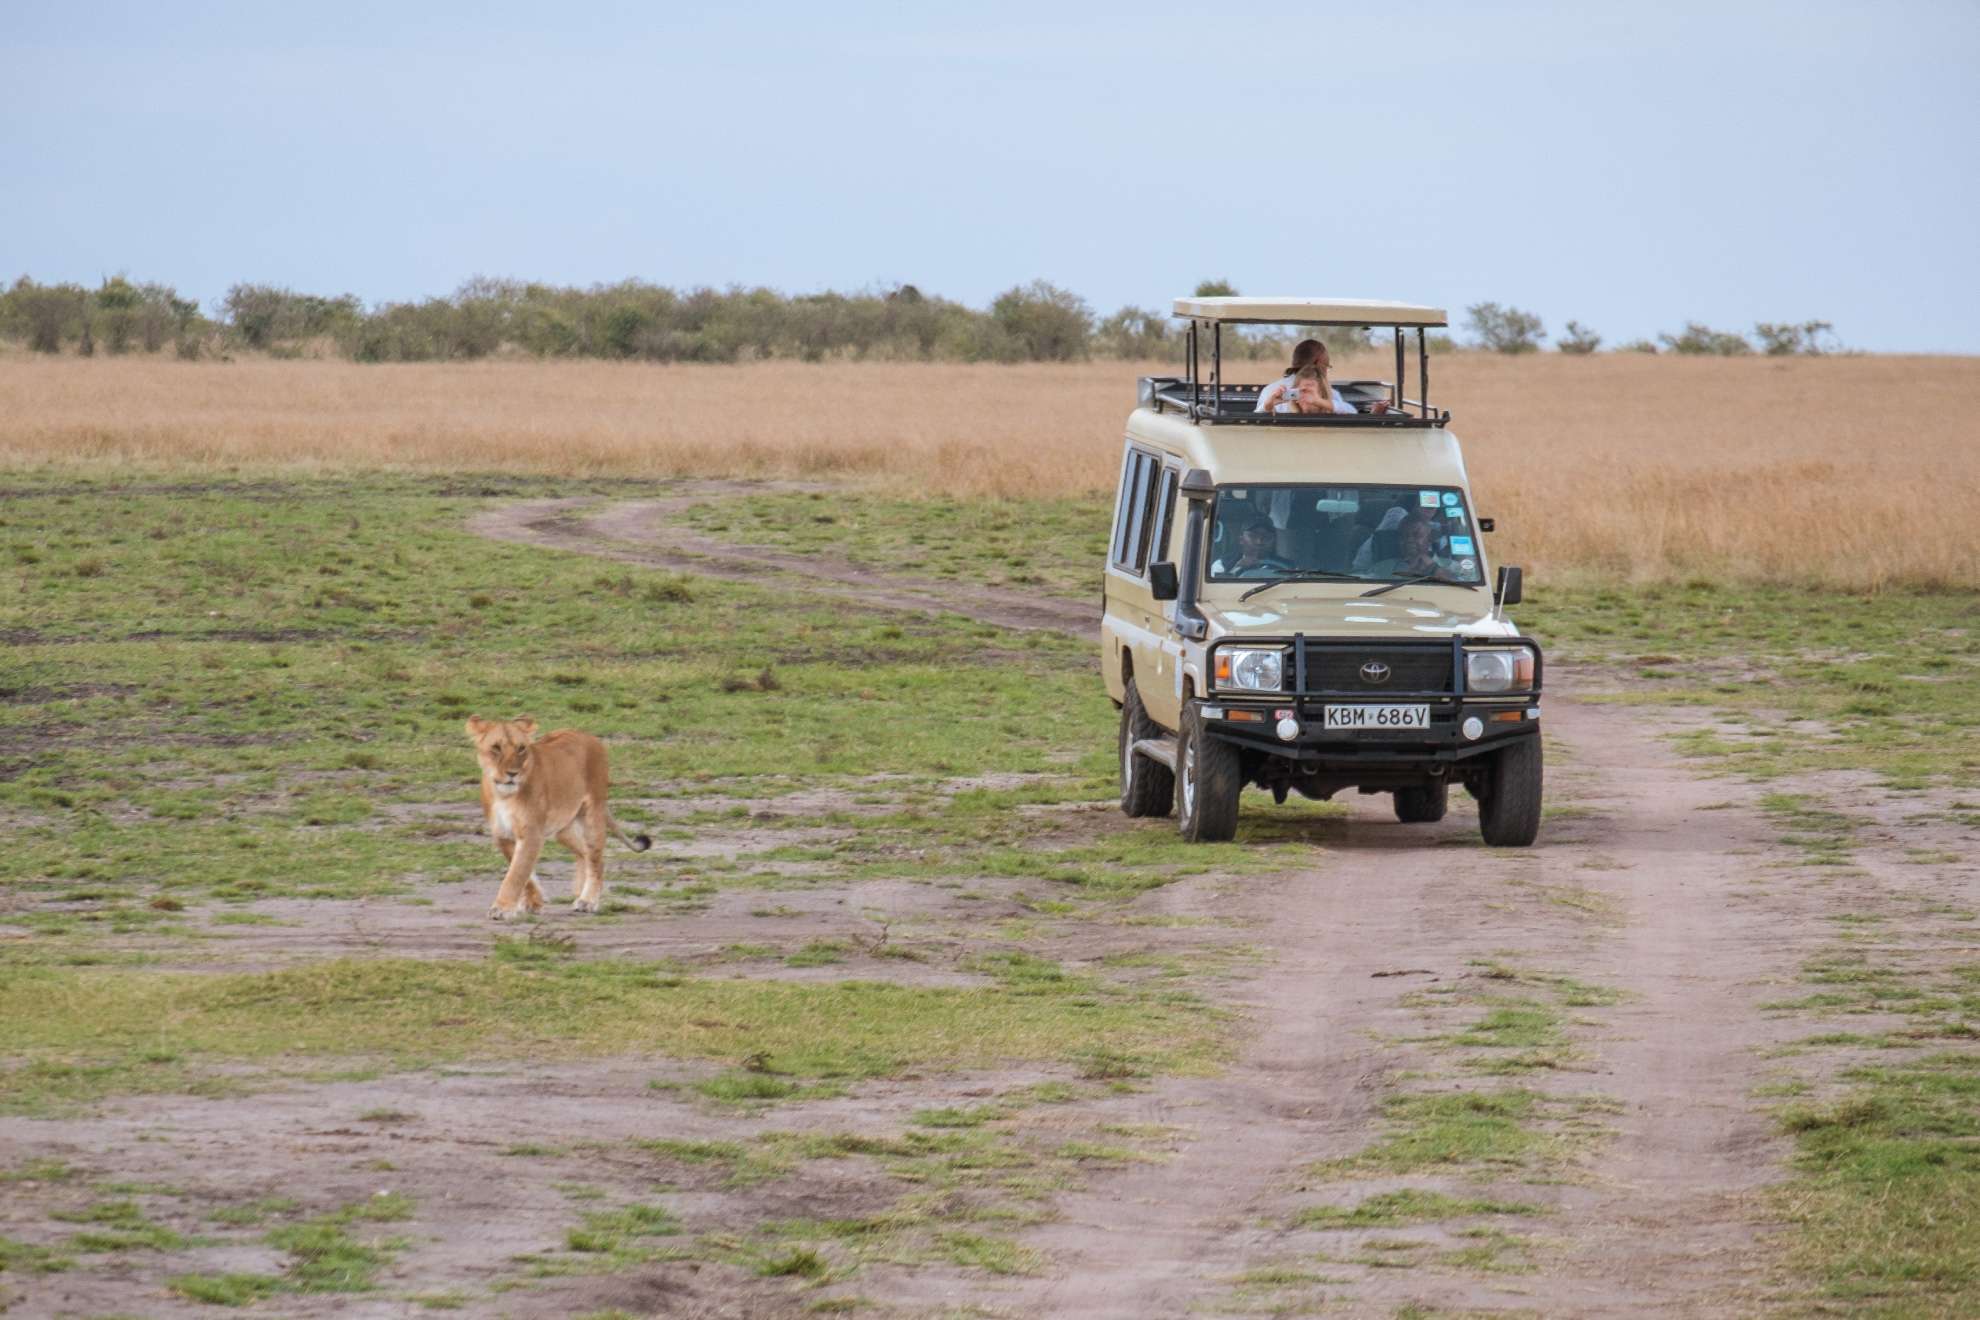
1375	672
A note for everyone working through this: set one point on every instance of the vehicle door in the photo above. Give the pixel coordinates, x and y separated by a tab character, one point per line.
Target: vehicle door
1139	629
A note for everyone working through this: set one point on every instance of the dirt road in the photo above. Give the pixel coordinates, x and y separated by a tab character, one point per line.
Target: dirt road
1622	1142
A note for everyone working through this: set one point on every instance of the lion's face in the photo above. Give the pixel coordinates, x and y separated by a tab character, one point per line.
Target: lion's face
503	747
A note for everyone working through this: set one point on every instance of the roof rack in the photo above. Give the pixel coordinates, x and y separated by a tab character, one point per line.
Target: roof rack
1214	401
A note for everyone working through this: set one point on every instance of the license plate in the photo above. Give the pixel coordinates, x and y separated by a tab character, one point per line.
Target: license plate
1378	717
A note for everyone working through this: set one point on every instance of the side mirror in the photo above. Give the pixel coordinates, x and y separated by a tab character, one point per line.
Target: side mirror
1485	524
1162	584
1508	590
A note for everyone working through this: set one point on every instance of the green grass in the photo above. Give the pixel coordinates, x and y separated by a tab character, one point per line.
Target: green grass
1889	1192
1890	681
616	1232
1049	545
224	1289
1824	836
1408	1206
25	1258
306	669
1462	1128
310	675
118	1226
420	1013
326	1258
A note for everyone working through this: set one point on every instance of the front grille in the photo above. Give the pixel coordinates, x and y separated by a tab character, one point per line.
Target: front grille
1335	668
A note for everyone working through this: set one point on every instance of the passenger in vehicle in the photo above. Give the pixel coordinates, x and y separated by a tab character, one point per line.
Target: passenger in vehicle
1281	396
1416	553
1379	542
1312	394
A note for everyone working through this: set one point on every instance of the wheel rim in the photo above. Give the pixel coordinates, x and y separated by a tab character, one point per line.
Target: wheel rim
1127	762
1188	778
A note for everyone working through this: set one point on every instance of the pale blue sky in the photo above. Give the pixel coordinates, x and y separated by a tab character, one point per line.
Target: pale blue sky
1630	168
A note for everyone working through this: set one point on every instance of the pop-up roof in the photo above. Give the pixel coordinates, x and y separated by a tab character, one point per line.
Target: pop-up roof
1310	311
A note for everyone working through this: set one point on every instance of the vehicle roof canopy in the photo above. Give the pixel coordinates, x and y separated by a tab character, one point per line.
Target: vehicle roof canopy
1265	456
1310	311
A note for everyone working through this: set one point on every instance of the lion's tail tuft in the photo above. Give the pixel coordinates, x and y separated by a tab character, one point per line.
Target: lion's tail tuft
637	842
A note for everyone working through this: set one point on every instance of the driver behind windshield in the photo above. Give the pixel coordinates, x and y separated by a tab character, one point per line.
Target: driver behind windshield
1258	552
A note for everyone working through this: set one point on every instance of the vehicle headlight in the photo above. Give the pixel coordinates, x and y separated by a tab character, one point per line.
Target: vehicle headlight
1498	671
1258	671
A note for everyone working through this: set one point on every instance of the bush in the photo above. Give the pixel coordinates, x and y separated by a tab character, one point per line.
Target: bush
1505	329
47	314
262	316
1578	340
1637	346
1135	333
1808	338
1048	323
1703	341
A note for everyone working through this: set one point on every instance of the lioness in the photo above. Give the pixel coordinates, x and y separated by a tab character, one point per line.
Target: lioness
532	791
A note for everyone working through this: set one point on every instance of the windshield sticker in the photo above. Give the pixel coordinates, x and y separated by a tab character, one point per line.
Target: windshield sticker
1461	545
1450	497
1428	499
1467	566
1457	514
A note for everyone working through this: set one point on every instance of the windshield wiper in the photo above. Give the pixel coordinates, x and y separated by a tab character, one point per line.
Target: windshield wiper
1316	575
1427	577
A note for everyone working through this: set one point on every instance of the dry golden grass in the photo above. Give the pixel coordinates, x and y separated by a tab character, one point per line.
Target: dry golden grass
1852	472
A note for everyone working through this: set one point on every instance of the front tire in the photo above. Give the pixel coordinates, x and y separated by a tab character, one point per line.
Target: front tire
1420	806
1148	788
1209	777
1509	797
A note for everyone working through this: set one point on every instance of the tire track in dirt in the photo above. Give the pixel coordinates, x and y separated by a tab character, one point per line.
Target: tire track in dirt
1662	1219
641	532
1665	1220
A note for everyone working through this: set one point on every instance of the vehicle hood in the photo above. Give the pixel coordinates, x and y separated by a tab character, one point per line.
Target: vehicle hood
1317	612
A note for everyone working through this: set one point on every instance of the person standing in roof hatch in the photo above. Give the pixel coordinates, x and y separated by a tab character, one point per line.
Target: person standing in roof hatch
1281	396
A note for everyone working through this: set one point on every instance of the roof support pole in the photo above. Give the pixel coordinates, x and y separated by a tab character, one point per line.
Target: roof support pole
1193	399
1423	368
1217	366
1396	392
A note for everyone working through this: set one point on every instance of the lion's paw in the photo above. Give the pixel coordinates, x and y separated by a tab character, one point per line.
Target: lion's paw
500	913
584	905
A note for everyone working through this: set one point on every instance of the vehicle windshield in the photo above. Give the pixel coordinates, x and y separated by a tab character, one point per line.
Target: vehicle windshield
1363	533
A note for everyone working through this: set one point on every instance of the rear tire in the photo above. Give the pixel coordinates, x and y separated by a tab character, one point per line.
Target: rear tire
1420	806
1509	795
1209	777
1148	788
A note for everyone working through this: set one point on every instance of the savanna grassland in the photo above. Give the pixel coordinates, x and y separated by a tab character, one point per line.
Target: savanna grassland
1629	467
900	1016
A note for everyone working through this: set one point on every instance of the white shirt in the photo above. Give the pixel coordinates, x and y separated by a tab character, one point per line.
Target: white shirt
1277	397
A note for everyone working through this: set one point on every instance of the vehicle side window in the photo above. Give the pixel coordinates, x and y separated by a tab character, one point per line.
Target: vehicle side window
1138	492
1165	511
1123	513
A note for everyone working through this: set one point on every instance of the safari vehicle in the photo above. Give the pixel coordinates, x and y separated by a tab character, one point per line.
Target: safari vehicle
1300	601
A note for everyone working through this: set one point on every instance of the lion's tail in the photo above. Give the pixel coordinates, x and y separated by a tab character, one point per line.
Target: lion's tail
637	842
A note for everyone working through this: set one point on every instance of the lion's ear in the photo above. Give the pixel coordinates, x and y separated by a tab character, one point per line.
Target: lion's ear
526	724
476	726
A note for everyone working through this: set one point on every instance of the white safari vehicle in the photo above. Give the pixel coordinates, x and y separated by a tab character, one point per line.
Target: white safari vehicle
1302	601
